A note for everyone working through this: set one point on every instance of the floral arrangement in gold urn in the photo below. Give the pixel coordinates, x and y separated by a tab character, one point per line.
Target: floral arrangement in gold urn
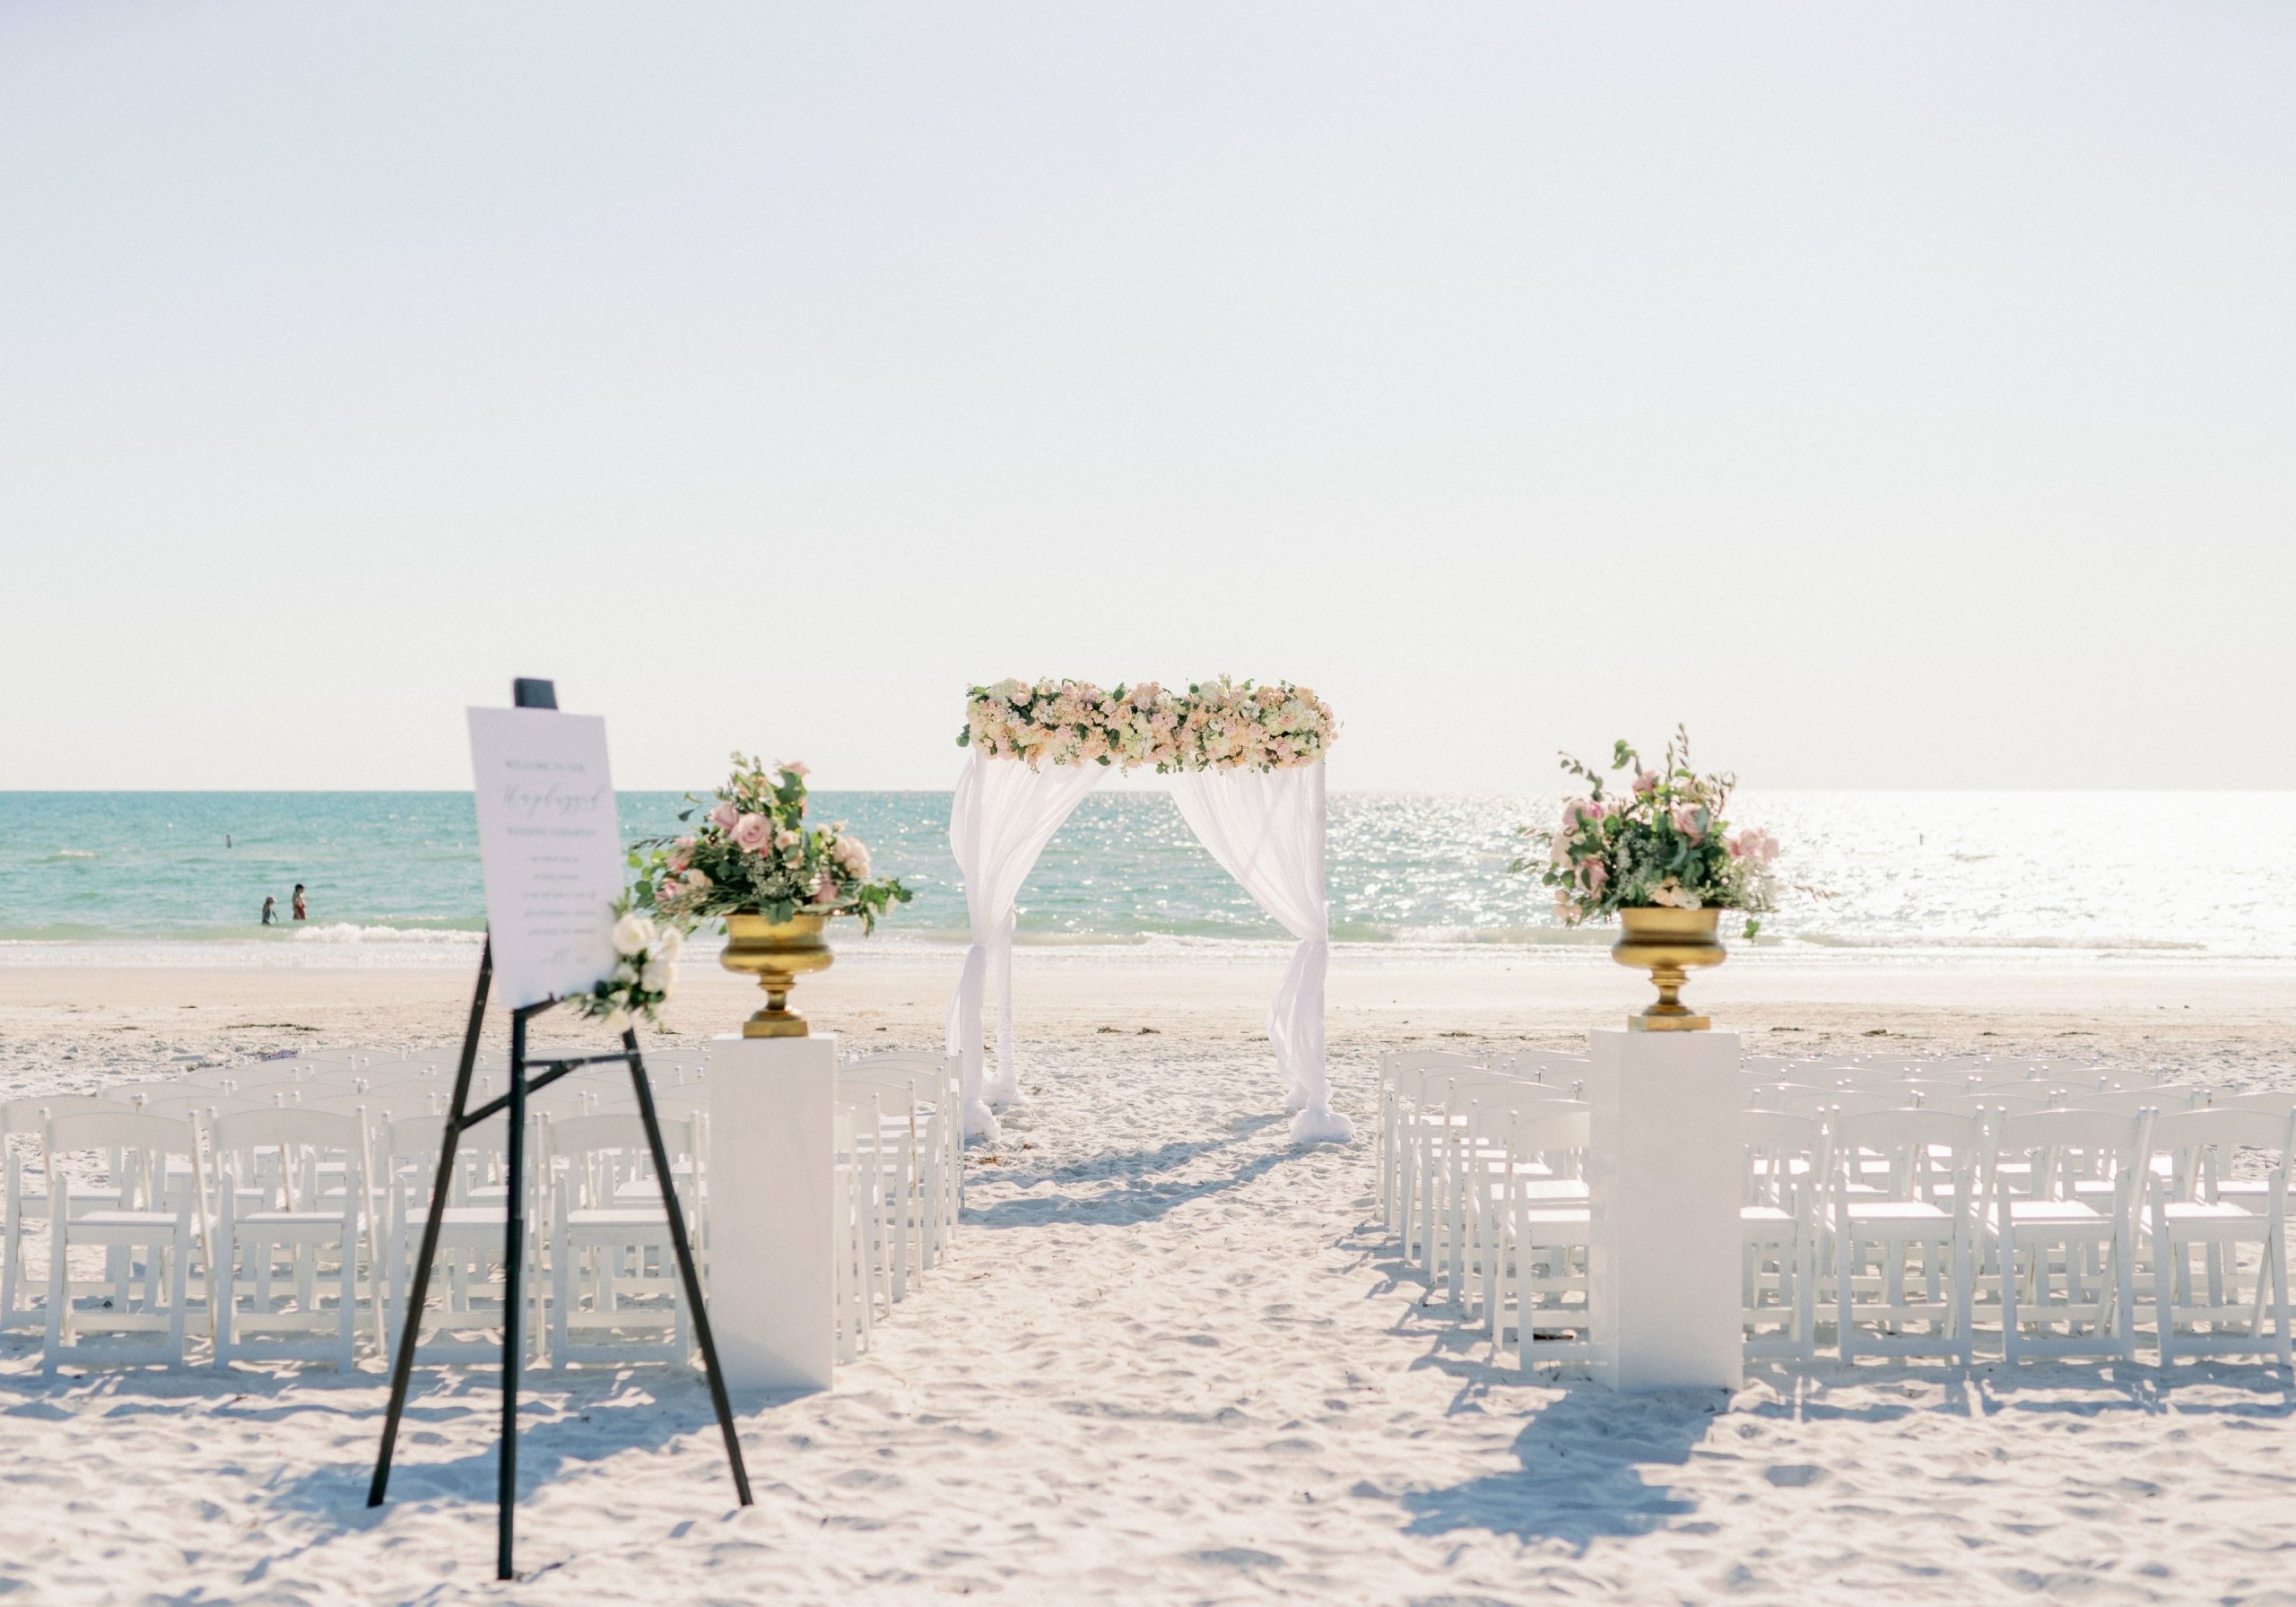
1658	852
752	861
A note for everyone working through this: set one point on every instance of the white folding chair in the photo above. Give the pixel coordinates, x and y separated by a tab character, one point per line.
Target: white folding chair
293	1226
1551	1236
1401	1077
908	1151
1900	1216
1785	1172
940	1100
2193	1212
469	1281
145	1293
2067	1187
25	1119
615	1290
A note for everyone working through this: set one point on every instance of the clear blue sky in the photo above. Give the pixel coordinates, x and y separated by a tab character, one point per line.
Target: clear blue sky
1903	396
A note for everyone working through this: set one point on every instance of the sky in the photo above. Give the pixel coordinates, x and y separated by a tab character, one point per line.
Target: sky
1902	396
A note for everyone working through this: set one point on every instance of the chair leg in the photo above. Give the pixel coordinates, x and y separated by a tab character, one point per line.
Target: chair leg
2165	1255
2124	1295
2010	1337
347	1309
1845	1247
225	1301
179	1286
58	1304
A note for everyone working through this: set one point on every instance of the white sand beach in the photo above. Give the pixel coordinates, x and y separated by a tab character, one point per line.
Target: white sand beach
1172	1360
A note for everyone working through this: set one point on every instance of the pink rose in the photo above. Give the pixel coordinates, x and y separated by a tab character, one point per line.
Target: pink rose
1593	876
679	863
724	816
1686	822
794	768
1645	782
696	882
751	833
1755	846
824	890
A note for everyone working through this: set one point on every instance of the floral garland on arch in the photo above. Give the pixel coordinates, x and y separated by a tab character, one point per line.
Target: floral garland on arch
1222	724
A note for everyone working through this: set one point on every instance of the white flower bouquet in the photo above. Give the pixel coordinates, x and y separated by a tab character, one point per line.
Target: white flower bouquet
644	972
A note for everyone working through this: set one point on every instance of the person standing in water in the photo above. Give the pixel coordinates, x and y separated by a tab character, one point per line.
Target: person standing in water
301	912
270	910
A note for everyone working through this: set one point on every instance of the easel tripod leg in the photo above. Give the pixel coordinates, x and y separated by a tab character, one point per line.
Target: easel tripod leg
688	1273
419	1289
514	1244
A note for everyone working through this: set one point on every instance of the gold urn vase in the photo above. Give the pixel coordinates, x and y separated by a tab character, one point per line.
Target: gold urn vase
776	953
1669	944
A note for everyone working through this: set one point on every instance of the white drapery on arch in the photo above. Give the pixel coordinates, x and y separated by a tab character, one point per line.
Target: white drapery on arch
1004	815
1264	828
1267	830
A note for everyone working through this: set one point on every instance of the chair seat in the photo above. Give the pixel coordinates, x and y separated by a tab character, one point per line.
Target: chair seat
2055	1214
1555	1216
1555	1189
465	1216
2211	1213
125	1219
1768	1215
609	1217
1897	1211
289	1219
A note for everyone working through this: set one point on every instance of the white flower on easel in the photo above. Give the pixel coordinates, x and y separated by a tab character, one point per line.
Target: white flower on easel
641	982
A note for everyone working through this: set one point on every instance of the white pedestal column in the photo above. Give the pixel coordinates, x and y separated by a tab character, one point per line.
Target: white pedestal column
1664	1174
772	1187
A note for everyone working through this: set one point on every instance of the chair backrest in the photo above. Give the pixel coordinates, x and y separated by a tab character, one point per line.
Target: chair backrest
281	1151
1782	1154
291	1126
1833	1104
2205	1144
1545	1130
1931	1155
1545	1066
927	1063
414	1136
2276	1101
2045	1154
579	1135
142	1145
2123	1101
29	1113
1456	1090
902	1084
118	1129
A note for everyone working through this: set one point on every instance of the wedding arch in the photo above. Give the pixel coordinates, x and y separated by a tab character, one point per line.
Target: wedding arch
1247	764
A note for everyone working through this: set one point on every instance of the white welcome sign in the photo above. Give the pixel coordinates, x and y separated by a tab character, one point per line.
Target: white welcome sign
550	847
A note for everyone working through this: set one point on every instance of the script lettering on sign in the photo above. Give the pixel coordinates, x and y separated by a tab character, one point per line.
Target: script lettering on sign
550	848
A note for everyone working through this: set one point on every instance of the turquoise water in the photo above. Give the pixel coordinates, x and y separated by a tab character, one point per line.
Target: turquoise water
2152	871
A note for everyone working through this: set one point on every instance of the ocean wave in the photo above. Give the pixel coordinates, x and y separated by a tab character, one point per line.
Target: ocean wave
1947	940
345	932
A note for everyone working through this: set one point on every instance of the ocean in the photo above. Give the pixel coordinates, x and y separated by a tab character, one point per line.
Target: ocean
393	877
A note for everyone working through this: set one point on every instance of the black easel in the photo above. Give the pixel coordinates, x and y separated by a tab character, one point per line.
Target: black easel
535	694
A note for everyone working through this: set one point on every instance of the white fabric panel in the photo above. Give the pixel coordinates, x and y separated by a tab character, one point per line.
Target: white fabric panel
1004	815
1267	830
